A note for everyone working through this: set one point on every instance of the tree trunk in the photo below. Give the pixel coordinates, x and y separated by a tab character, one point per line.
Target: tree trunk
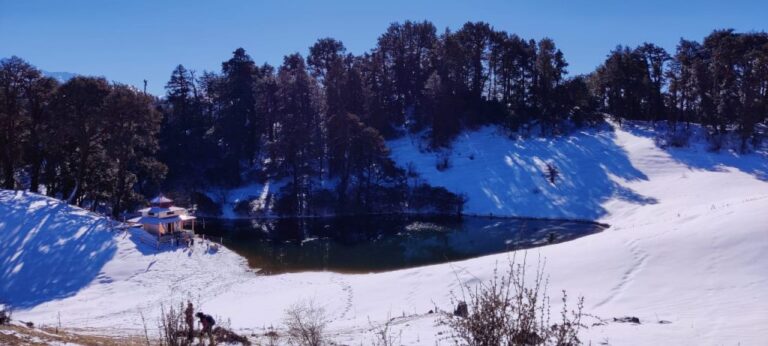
9	182
35	175
72	194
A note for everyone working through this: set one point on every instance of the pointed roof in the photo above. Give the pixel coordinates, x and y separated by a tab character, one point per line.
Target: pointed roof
160	199
157	210
151	220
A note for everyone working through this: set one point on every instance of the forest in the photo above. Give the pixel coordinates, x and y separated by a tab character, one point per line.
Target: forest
325	117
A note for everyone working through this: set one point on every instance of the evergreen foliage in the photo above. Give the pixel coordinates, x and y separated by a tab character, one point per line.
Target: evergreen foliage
325	118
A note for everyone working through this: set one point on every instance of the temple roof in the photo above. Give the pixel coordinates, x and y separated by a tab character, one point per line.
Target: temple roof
158	210
150	220
160	199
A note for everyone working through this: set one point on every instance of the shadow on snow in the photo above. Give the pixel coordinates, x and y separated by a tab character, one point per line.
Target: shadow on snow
49	250
507	176
696	156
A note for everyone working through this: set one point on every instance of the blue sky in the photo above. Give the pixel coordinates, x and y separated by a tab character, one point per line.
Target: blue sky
128	41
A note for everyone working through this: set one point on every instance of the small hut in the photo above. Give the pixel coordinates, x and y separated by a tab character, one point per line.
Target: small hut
165	220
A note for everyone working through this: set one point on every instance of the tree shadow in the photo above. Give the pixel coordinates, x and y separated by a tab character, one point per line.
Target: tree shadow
49	250
698	156
507	177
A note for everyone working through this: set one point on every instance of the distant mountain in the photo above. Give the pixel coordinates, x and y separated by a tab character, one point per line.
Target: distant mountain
62	77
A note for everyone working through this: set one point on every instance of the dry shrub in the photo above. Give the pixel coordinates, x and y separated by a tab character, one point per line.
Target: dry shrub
173	328
305	323
229	337
272	337
384	335
443	162
507	310
5	314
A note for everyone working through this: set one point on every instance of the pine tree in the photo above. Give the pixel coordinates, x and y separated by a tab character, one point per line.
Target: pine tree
16	77
131	145
298	147
78	107
550	69
42	138
240	127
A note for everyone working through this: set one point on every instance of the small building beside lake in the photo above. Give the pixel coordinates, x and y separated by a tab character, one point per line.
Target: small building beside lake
165	220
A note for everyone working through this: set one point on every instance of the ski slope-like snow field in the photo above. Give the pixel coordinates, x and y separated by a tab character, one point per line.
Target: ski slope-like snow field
688	245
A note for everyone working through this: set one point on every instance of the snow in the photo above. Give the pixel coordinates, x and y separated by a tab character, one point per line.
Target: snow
688	244
259	194
505	177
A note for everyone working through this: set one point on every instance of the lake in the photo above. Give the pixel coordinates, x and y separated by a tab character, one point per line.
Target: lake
363	244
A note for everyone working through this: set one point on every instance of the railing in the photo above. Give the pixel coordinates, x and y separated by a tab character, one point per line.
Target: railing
175	238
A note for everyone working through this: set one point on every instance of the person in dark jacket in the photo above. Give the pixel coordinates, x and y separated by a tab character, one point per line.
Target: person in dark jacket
207	322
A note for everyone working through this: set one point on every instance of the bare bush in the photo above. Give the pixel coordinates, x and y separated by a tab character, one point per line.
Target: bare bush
272	337
567	331
176	326
384	335
443	162
507	310
173	329
676	138
305	323
5	315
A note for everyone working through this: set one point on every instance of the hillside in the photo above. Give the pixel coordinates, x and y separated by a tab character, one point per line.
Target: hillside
687	245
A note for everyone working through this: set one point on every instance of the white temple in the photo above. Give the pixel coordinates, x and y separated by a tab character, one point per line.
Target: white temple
164	219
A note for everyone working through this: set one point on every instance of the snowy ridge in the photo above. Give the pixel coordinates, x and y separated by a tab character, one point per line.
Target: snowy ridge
502	176
688	244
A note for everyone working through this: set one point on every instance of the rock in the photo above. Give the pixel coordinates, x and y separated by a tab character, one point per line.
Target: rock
5	316
461	310
627	319
227	336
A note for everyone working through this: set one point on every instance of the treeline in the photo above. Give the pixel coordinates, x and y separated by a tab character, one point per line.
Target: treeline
325	117
84	141
721	83
318	124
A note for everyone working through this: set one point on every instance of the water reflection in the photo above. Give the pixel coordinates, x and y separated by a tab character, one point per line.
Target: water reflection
379	243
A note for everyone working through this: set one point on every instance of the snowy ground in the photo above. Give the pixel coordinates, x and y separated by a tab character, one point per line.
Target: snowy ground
228	198
688	244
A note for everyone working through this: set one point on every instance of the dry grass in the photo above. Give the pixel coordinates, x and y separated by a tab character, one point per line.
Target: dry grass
20	335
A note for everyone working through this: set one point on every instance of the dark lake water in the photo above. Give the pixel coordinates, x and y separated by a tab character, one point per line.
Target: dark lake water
380	243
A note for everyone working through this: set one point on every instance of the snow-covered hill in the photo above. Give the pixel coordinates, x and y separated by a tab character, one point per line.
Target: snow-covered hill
688	245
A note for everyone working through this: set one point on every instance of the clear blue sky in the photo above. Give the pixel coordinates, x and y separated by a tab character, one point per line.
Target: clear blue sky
128	41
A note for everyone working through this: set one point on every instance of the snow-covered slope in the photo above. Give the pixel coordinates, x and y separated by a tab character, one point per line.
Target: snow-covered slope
501	176
688	245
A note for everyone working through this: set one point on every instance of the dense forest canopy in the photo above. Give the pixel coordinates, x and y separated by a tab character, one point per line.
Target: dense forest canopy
325	117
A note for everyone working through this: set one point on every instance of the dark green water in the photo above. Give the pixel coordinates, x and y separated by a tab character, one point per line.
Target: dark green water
380	243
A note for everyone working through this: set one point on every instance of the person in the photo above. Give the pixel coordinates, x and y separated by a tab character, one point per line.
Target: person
190	319
207	323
